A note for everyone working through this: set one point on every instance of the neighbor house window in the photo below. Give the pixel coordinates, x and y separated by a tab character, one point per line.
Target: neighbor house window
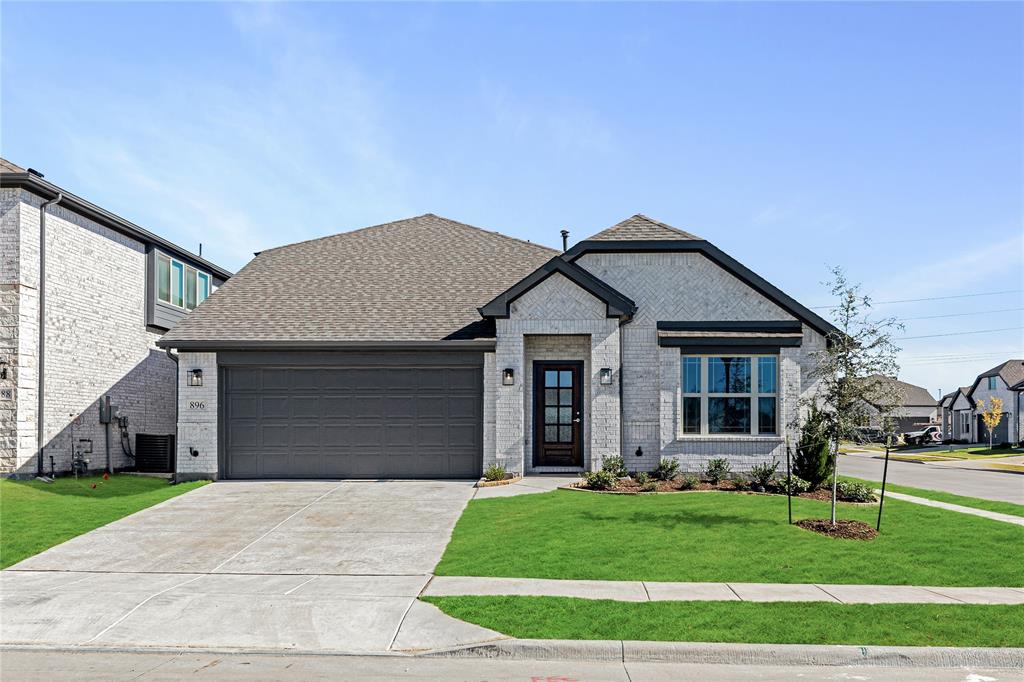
179	284
992	383
735	395
965	422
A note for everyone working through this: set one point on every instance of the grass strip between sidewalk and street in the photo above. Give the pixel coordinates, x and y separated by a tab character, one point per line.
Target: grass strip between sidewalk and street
710	621
951	498
35	516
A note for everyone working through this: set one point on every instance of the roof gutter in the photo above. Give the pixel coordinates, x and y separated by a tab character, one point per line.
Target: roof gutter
47	190
41	353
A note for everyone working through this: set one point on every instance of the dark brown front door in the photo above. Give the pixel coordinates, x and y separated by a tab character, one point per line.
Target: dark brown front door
557	413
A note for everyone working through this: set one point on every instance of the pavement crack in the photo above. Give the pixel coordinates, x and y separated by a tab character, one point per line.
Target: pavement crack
137	607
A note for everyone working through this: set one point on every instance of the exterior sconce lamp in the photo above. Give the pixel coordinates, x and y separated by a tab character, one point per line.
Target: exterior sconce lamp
195	377
606	376
508	376
3	369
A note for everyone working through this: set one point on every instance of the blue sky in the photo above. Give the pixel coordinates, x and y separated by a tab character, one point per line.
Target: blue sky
884	138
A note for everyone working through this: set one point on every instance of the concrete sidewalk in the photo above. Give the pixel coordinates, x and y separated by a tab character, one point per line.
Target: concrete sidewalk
637	591
984	513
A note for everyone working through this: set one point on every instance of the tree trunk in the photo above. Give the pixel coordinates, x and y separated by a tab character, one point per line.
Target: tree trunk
835	478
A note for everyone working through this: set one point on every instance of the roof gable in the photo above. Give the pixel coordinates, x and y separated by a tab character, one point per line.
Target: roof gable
1011	371
640	227
617	304
415	280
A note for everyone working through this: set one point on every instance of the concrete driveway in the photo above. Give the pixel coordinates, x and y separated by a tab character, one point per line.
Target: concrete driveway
325	566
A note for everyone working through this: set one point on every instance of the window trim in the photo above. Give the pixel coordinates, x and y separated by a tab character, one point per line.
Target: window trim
187	272
993	384
753	396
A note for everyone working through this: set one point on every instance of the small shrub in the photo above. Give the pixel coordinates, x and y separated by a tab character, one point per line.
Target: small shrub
855	492
1005	445
794	485
740	483
615	465
599	480
813	458
717	469
642	478
495	473
649	487
762	474
667	469
689	483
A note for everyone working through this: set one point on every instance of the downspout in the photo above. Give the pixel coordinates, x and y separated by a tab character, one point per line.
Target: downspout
177	388
41	353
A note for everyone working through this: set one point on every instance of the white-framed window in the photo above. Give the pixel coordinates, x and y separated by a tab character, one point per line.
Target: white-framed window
729	395
965	422
180	285
993	383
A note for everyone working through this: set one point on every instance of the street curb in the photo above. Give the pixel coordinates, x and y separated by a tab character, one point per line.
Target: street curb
741	654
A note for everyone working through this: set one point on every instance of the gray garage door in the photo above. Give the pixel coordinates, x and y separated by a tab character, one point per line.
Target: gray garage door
353	422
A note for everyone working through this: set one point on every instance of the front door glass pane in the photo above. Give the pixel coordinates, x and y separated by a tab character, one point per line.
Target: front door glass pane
550	378
565	434
550	434
565	396
565	379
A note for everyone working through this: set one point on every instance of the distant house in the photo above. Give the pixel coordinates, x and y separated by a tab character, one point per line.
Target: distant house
997	382
916	409
945	413
961	410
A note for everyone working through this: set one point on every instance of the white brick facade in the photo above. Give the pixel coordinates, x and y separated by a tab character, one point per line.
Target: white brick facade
557	320
97	342
197	443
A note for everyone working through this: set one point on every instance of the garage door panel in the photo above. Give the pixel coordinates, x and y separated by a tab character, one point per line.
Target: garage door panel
463	407
353	422
463	379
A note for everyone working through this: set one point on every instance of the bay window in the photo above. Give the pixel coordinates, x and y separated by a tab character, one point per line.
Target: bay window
729	395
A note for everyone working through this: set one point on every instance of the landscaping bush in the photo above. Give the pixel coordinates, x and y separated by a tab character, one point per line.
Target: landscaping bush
762	474
642	478
717	469
794	485
615	465
689	483
666	470
1005	445
495	473
740	483
649	487
813	461
855	492
599	480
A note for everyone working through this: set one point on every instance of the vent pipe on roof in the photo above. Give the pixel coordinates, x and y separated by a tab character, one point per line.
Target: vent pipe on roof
565	240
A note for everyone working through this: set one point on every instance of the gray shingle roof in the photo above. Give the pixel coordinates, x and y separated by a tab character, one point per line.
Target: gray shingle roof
419	279
913	396
8	167
640	227
1011	371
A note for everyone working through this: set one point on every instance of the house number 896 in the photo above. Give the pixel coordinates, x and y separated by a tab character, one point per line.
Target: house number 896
196	405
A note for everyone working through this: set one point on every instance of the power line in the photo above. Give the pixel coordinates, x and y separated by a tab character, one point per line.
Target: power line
930	298
976	331
979	312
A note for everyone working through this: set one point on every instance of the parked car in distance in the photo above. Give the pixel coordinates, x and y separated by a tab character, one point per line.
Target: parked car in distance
870	434
930	435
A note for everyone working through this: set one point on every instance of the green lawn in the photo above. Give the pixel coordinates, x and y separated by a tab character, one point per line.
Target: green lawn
940	496
784	622
725	537
35	515
976	453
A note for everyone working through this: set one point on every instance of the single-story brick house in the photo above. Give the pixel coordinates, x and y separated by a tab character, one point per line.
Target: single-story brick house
430	348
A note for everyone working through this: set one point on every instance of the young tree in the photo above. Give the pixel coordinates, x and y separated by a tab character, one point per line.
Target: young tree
813	460
852	370
991	415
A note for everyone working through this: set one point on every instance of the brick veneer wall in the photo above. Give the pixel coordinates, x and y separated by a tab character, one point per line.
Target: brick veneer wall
97	340
688	286
554	308
197	418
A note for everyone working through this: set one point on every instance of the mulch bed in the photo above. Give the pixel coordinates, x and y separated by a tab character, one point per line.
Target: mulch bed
848	529
628	486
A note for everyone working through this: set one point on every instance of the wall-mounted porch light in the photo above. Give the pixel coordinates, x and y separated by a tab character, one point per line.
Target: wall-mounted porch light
606	376
195	377
508	376
3	369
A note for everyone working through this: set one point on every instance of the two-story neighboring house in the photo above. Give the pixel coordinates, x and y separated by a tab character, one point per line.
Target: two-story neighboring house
997	382
109	290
